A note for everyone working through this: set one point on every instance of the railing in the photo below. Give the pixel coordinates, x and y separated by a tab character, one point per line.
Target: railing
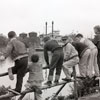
63	83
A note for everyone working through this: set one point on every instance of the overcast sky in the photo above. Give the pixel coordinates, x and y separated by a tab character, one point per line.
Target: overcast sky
31	15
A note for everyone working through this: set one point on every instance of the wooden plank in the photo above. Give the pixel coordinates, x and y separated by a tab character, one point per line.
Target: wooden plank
11	90
6	73
63	84
59	90
53	85
3	74
30	90
39	49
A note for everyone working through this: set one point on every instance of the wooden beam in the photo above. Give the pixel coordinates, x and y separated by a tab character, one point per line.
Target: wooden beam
63	84
53	85
6	73
75	84
30	90
59	90
3	74
39	49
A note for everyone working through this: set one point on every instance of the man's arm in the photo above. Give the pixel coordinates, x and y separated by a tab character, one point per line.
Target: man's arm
46	57
8	49
95	40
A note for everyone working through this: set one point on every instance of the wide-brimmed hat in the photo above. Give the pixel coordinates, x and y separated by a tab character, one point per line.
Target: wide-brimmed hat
64	37
46	38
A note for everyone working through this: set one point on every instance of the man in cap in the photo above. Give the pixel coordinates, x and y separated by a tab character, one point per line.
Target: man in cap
71	58
56	61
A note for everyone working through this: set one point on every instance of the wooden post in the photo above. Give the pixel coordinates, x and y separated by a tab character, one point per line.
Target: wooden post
31	90
63	84
75	84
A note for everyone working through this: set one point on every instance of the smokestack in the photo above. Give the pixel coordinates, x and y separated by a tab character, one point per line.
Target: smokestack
52	27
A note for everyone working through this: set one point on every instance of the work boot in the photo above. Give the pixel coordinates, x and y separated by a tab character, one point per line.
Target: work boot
56	81
48	83
66	79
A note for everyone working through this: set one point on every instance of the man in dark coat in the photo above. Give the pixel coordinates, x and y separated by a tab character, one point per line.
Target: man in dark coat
56	61
96	41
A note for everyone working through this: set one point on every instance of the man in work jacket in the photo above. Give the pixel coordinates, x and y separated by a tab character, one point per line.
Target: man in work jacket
56	61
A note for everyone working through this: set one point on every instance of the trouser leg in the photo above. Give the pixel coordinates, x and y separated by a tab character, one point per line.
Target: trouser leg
83	64
68	66
21	66
59	66
54	61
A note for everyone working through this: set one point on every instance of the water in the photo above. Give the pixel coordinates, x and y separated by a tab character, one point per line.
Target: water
48	92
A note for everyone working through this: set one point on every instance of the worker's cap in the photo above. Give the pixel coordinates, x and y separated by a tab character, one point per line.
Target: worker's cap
46	38
64	38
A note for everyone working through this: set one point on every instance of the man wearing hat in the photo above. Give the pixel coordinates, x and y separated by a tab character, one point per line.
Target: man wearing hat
70	57
56	61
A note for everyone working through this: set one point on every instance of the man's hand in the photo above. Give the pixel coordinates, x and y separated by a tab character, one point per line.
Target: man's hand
2	58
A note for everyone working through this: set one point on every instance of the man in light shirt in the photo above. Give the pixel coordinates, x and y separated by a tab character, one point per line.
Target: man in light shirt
93	66
71	58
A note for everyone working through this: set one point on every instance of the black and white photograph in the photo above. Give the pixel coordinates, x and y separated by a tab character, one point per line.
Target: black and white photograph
49	49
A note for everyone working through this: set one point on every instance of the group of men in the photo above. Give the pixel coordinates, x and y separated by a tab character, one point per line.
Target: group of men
81	51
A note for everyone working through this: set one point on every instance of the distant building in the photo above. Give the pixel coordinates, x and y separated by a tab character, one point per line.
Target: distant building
56	35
